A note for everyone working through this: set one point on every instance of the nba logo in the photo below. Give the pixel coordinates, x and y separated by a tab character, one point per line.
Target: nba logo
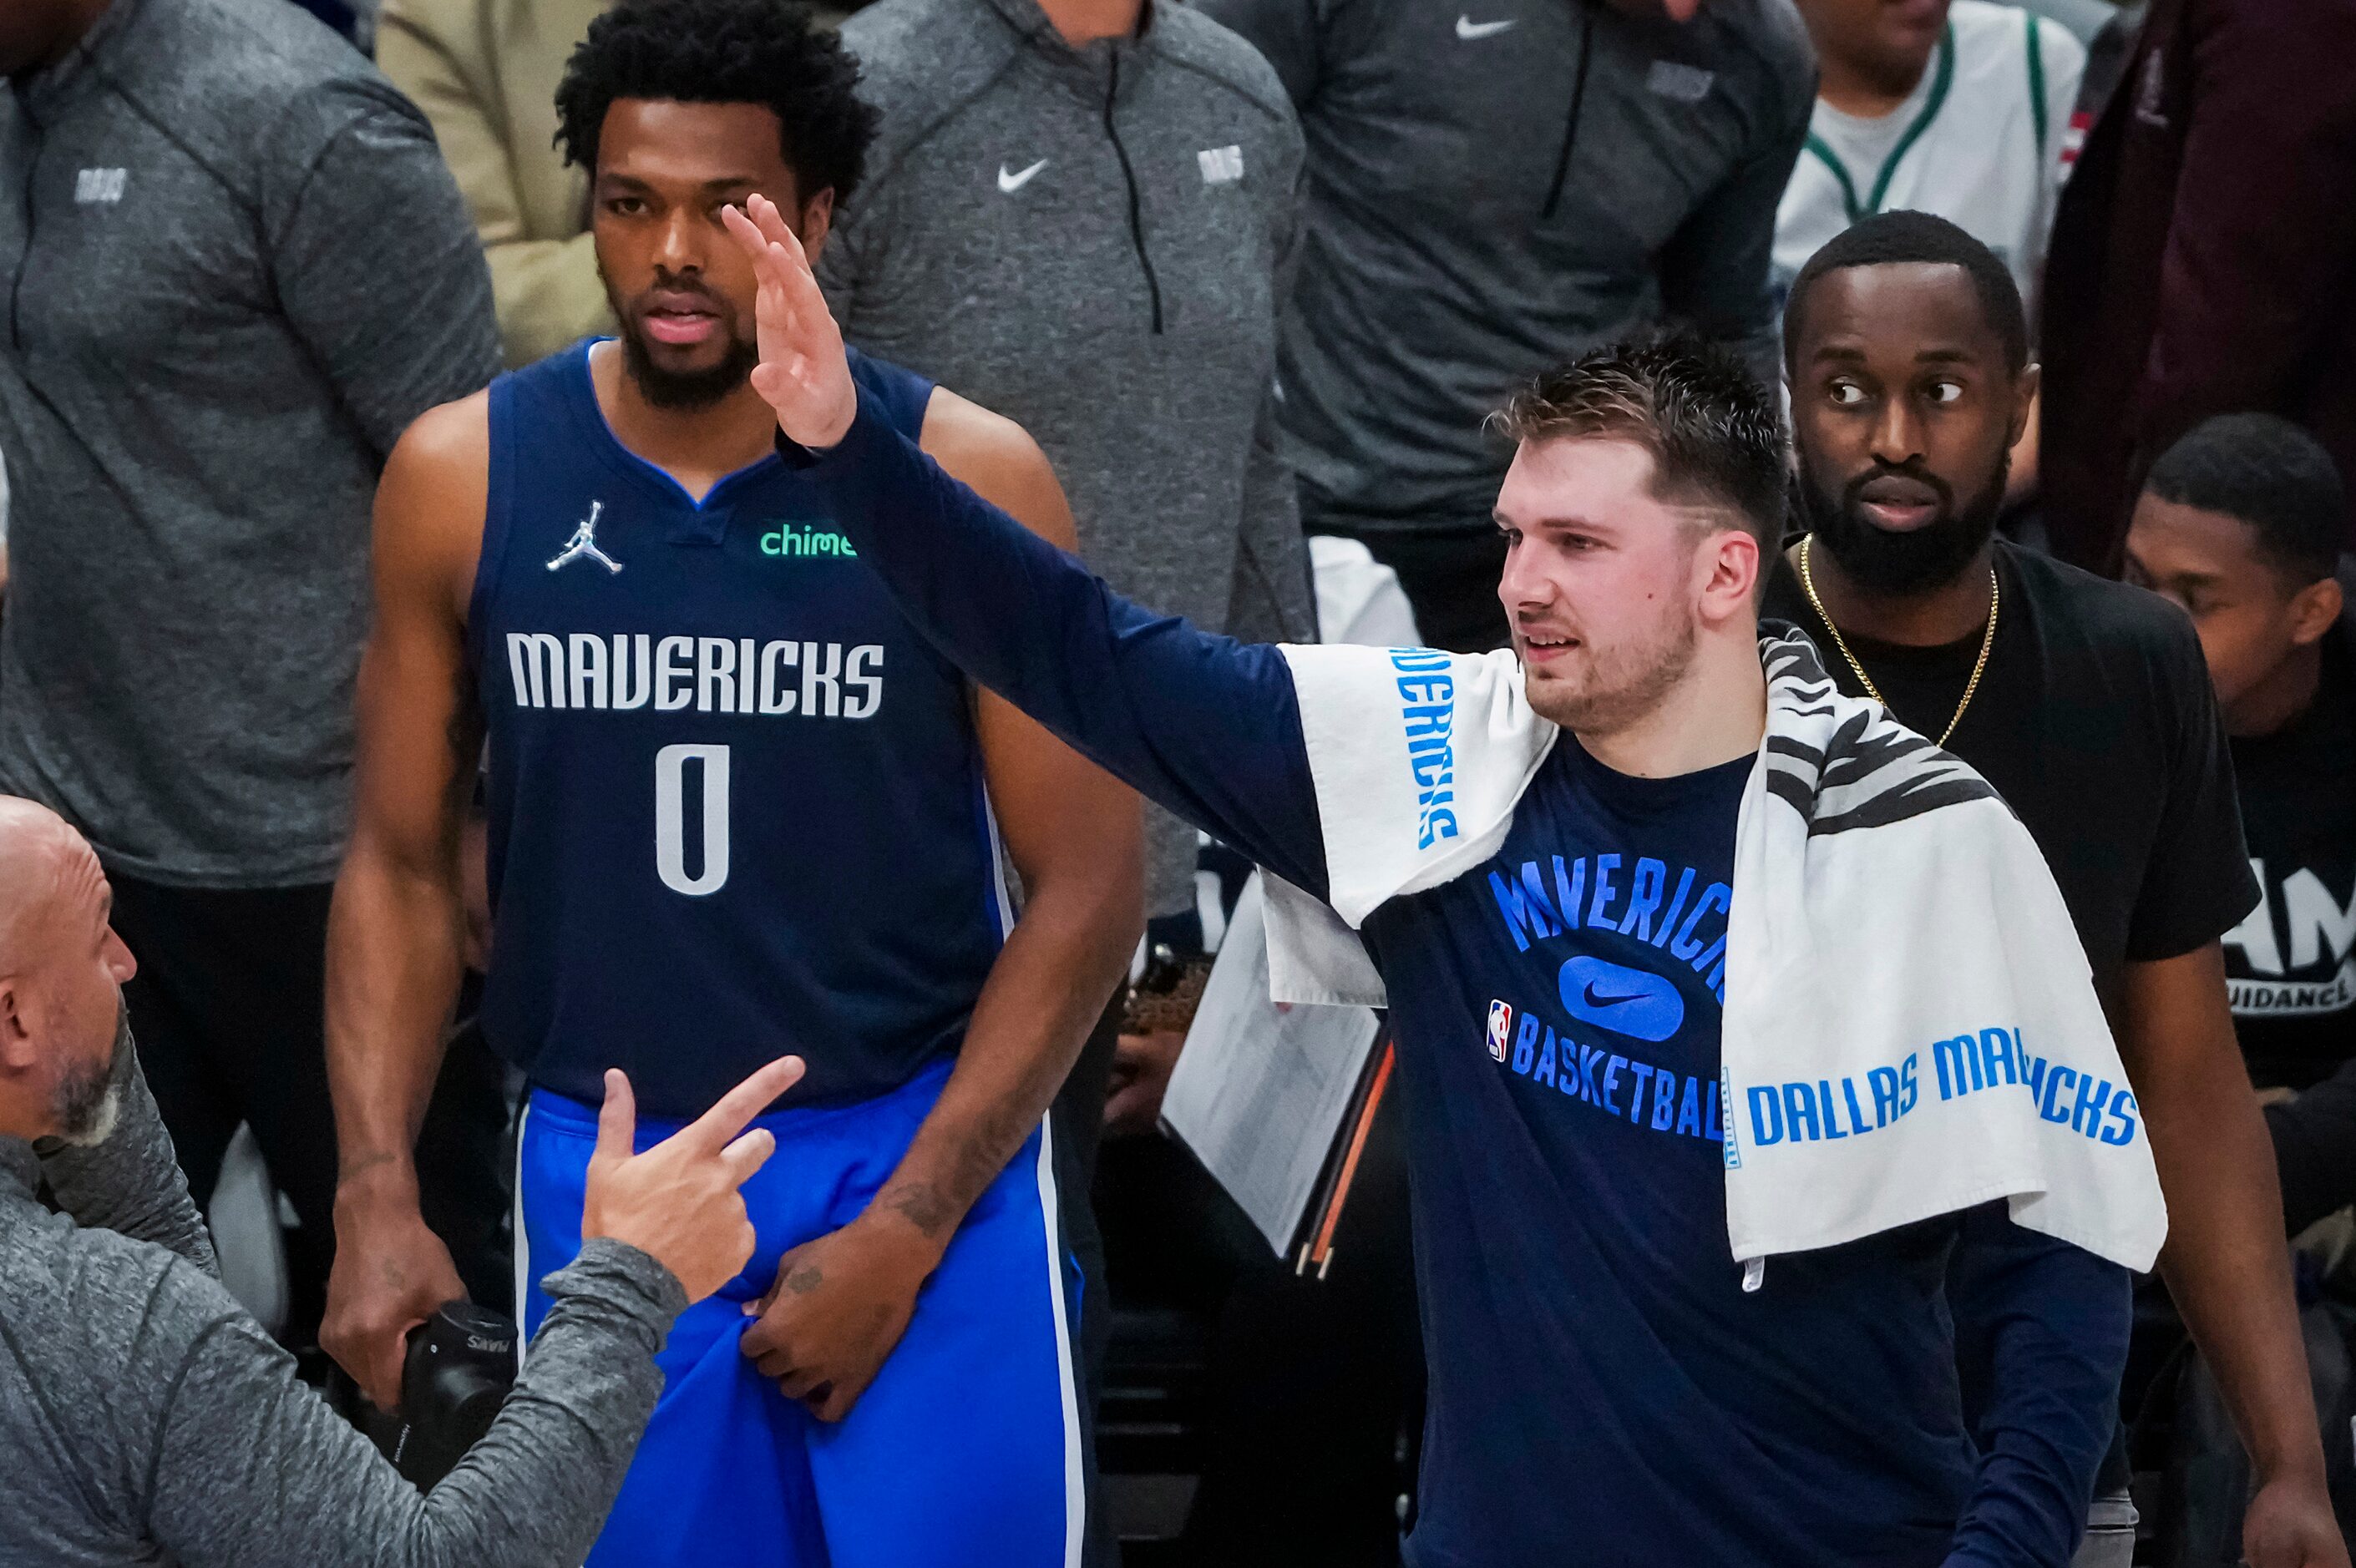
1501	1029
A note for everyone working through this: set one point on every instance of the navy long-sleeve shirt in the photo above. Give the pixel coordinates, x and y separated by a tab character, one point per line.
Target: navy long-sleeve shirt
1601	1384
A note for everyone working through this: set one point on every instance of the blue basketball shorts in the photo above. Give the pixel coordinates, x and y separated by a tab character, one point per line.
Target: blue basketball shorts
966	1449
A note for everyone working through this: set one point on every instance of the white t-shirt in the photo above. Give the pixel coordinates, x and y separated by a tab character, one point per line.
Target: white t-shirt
1980	141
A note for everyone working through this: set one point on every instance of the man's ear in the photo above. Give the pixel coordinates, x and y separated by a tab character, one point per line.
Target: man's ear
17	1049
2024	402
2314	608
1734	563
818	222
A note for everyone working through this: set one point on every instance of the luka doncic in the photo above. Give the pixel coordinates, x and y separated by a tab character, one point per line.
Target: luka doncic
737	807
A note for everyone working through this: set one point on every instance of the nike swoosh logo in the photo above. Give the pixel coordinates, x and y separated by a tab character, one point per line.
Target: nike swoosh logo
1010	184
1468	29
1633	1002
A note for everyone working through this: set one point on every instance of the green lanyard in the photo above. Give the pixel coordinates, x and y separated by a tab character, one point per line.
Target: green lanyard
1940	82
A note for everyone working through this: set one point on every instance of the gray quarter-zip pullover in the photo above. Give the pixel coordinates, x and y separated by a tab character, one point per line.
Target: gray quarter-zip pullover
1496	185
235	268
1091	242
146	1419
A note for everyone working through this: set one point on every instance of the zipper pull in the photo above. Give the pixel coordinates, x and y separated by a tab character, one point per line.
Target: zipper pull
1754	1274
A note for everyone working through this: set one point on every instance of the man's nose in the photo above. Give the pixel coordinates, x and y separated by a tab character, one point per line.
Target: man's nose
1898	433
679	248
119	960
1521	584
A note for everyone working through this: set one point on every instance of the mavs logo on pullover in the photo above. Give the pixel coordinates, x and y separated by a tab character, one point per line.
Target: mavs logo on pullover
737	802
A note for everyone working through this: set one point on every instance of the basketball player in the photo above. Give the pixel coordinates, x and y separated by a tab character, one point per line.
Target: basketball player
736	801
1604	1389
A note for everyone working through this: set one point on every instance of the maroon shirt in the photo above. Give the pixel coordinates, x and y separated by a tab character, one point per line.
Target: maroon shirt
2203	260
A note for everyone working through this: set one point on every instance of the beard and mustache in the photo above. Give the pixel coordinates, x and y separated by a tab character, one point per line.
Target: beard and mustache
685	391
86	1105
1913	561
1621	687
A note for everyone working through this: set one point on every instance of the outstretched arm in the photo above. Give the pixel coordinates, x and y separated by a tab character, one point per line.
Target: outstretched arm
841	1301
252	1469
240	1464
1208	727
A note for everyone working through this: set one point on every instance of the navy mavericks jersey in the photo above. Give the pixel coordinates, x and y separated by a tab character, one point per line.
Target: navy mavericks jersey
736	801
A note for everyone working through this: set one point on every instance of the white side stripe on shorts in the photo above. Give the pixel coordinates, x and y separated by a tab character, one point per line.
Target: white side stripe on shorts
521	1249
1075	1482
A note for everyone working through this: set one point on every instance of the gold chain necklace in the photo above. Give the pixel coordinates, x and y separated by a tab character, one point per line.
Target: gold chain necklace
1988	641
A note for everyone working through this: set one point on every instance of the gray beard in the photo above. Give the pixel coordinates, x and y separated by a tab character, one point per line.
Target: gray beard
87	1103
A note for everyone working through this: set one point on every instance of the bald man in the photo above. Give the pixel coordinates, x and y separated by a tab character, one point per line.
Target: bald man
145	1414
66	1071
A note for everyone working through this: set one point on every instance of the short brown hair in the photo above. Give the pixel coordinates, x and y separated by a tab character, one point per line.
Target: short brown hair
1714	433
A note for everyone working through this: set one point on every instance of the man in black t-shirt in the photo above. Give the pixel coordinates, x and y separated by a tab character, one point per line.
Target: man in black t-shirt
2240	524
2086	704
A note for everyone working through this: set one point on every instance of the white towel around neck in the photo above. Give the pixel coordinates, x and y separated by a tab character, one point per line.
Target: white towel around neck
1911	1027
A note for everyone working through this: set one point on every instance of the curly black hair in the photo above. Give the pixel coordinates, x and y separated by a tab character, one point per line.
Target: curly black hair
724	51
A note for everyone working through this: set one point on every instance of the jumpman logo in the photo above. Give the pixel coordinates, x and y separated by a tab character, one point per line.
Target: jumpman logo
583	542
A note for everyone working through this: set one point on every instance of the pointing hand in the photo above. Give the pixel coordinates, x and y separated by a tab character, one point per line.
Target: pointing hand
677	1202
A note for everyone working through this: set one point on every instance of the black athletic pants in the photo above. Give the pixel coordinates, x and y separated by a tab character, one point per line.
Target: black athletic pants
229	1011
1312	1406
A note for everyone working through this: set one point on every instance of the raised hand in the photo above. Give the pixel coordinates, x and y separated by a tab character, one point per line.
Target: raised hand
802	374
677	1202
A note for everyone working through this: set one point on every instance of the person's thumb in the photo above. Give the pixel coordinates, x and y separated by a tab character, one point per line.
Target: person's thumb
617	1122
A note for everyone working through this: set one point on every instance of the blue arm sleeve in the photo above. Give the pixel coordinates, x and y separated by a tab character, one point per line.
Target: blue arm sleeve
1208	727
2044	1325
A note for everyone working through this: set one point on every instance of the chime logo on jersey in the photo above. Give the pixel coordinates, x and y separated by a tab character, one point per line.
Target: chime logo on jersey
1501	1029
790	538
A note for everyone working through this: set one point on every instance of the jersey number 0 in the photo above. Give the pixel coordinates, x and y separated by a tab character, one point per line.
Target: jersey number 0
670	818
